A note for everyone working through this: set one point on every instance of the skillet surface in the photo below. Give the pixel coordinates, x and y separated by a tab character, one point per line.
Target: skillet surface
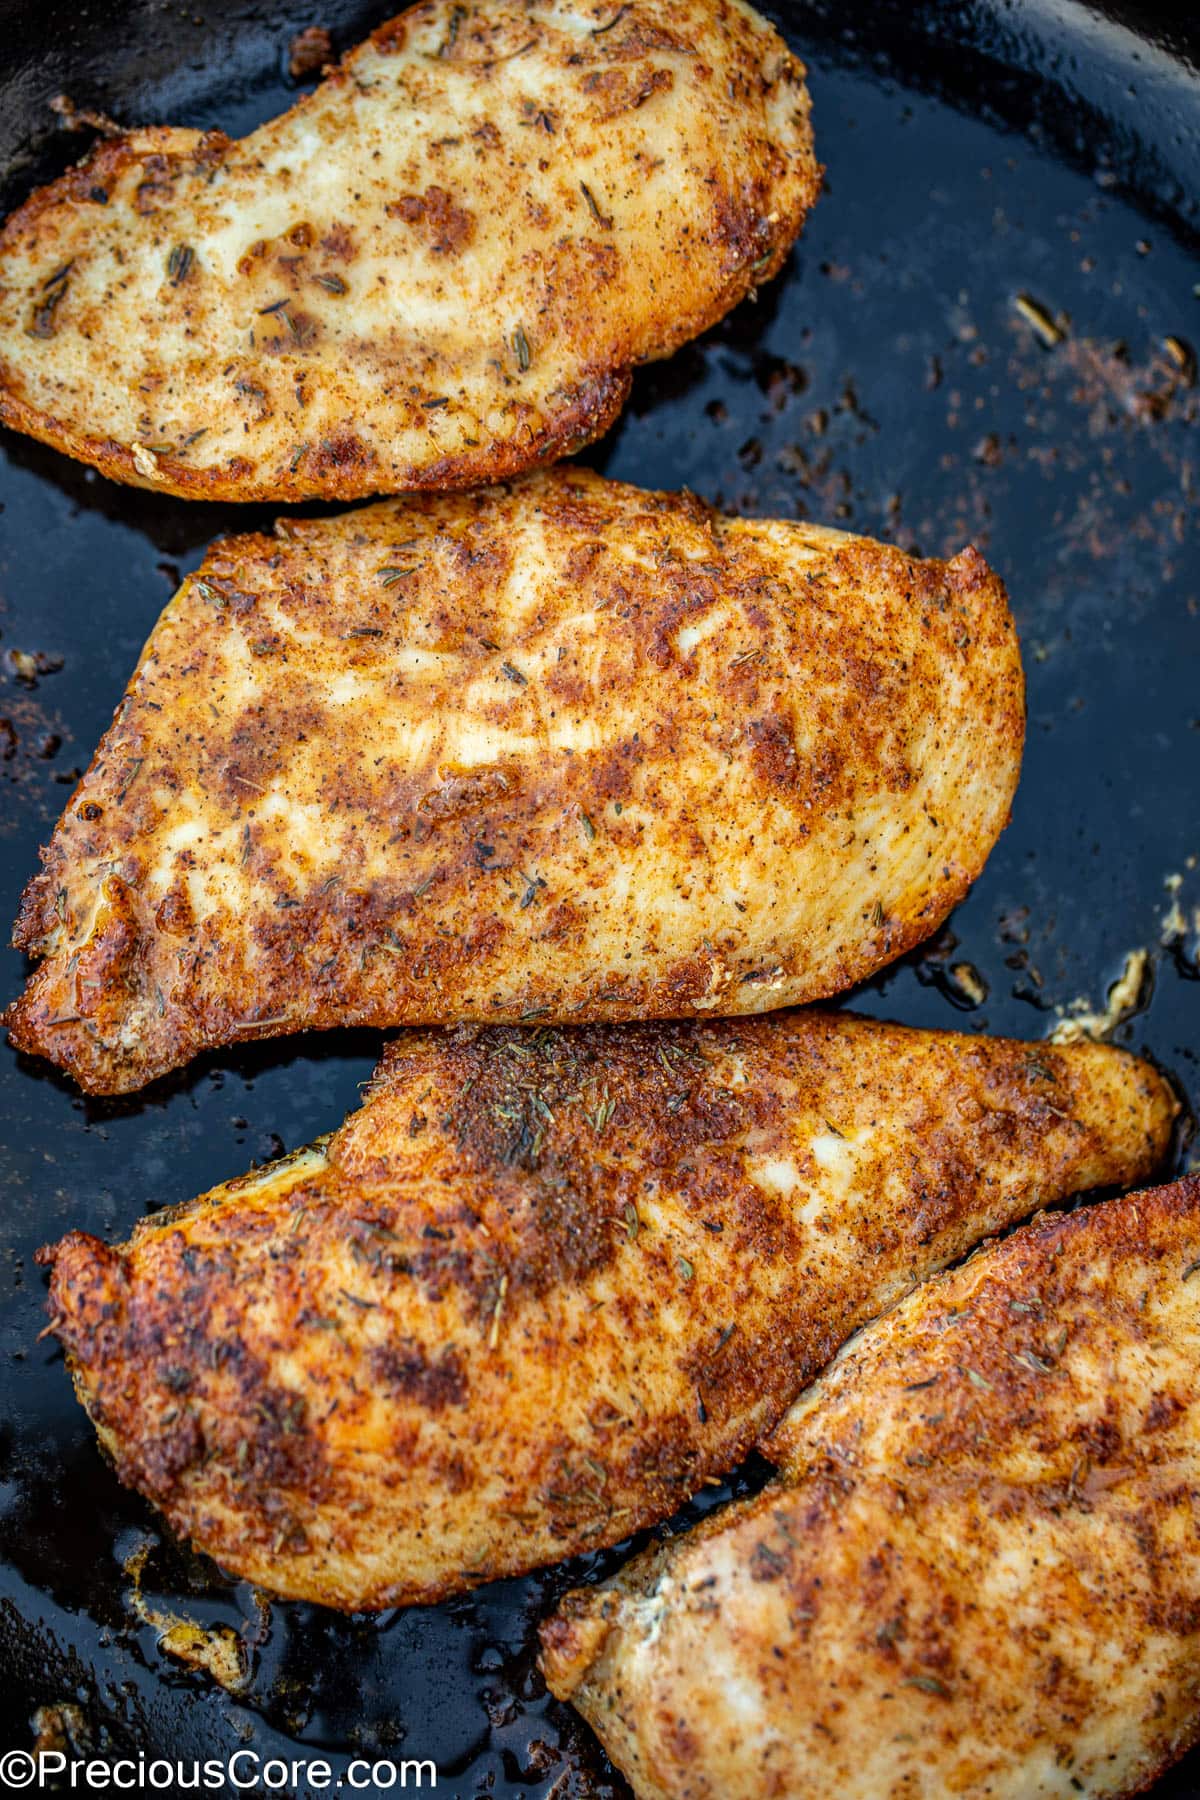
887	382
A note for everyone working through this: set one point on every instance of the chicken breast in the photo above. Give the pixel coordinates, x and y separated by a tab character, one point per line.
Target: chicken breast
439	269
546	1282
979	1571
565	751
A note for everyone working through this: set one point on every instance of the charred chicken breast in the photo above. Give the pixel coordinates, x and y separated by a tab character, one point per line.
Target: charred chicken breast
562	751
979	1570
436	270
545	1282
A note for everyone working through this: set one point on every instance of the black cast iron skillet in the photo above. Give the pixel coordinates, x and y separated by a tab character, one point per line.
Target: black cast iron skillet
888	382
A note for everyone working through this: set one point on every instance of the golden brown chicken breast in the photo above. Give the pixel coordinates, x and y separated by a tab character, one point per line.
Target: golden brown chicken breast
979	1572
559	752
438	269
546	1282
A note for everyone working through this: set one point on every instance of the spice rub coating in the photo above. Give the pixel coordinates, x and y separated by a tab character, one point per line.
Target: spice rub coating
438	269
545	1282
978	1572
560	751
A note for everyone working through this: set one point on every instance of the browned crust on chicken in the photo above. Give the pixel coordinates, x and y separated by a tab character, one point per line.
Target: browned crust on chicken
544	1283
561	752
979	1570
436	270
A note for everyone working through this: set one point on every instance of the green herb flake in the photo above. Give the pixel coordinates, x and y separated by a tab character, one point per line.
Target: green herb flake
457	16
601	218
928	1684
131	777
599	1119
179	263
1033	1361
616	18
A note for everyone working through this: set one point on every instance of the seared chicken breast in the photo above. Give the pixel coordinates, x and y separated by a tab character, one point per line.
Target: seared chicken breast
545	1282
438	269
562	751
979	1570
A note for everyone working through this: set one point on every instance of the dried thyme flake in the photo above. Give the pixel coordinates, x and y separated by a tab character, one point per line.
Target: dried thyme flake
615	20
179	263
356	1300
533	886
457	16
599	1120
928	1684
1032	1361
521	350
601	218
134	771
